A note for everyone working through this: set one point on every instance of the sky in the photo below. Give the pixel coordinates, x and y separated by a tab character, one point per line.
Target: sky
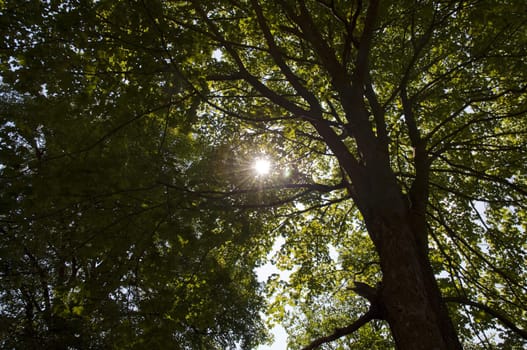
280	340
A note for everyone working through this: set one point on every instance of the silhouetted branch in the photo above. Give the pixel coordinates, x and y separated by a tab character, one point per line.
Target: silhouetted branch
372	294
341	332
222	194
494	313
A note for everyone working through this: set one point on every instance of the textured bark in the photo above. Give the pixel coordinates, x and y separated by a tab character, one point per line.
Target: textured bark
411	300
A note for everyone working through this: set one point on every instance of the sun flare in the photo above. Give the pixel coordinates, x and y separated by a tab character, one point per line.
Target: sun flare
262	166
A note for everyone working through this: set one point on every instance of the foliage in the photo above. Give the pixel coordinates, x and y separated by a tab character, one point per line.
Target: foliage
104	243
131	217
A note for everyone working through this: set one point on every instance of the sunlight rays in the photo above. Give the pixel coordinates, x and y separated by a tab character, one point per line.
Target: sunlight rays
262	166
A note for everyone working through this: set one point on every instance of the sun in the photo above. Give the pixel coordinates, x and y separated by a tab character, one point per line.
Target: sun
262	166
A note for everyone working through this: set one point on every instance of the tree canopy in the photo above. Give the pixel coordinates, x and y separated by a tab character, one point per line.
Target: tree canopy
395	197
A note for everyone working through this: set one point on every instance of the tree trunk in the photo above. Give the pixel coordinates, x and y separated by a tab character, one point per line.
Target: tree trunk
410	297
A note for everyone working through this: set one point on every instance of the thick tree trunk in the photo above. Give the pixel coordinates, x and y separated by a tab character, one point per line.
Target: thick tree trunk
410	297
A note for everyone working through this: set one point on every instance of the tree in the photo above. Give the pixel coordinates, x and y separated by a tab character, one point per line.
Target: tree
104	244
397	130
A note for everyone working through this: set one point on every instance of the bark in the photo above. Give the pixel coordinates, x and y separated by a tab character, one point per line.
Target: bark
411	300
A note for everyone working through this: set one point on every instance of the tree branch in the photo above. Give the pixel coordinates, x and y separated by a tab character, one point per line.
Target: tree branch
341	332
419	189
480	175
439	218
361	67
409	118
324	52
348	25
378	113
494	313
244	72
372	294
211	194
279	60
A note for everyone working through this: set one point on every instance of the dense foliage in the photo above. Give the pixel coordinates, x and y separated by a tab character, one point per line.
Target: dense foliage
130	214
